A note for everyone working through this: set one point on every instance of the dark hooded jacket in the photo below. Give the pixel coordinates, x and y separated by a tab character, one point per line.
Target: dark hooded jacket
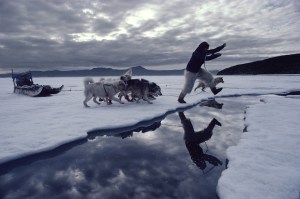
200	55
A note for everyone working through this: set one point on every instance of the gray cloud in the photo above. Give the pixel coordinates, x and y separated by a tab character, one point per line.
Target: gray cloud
40	34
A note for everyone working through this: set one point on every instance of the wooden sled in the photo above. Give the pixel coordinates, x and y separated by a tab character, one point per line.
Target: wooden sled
24	85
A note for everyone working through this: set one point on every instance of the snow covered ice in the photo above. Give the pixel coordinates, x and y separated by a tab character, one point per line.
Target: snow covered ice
264	164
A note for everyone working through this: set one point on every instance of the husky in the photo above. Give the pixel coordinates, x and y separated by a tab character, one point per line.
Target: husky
143	89
139	89
102	90
153	91
203	84
126	76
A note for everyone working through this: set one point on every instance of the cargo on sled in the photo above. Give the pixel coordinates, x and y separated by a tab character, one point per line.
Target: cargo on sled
23	84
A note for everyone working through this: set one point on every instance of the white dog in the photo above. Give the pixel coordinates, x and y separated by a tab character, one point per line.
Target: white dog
102	90
214	83
208	80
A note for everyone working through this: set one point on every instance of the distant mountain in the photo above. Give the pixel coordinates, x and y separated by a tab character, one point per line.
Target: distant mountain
286	64
137	71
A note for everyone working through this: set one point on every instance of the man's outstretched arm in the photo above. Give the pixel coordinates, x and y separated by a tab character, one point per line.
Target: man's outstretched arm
215	50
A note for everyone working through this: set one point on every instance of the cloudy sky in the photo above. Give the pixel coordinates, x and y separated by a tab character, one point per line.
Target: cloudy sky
78	34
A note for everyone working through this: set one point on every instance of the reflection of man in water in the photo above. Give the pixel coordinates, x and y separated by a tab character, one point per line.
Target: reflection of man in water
193	139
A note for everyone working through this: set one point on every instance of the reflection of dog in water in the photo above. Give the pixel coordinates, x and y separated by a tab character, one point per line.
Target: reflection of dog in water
193	139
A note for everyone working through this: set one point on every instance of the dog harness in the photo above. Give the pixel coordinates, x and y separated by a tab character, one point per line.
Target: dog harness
104	87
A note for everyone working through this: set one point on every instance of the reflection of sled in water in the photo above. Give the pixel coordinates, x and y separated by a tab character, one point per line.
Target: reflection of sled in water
125	132
24	85
145	129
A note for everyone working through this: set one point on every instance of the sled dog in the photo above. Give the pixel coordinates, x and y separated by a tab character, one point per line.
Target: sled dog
139	89
102	89
126	76
203	84
143	89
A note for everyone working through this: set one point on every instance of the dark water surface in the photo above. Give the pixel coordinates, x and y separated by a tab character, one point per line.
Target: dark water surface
150	162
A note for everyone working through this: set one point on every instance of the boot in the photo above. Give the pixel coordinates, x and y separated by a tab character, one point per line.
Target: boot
215	90
217	122
212	160
180	98
212	124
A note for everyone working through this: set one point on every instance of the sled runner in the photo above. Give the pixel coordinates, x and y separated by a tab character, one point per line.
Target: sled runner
23	84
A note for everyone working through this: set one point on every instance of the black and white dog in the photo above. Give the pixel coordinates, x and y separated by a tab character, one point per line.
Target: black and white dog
139	89
143	89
